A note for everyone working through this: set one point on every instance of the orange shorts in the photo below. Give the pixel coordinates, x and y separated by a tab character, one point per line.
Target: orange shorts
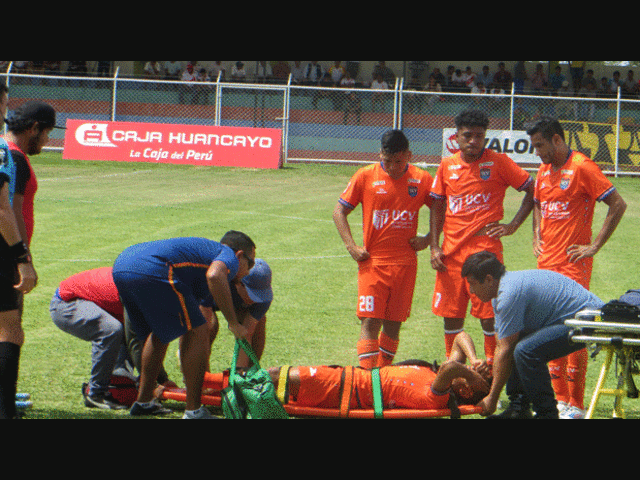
451	294
579	271
385	292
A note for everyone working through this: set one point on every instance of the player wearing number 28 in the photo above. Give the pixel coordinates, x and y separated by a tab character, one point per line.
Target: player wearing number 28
391	193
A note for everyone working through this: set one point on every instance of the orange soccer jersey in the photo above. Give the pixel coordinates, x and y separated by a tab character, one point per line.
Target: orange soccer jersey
567	200
389	210
475	193
402	387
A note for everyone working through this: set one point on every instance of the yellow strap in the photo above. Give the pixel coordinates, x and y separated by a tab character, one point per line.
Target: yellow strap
345	394
283	385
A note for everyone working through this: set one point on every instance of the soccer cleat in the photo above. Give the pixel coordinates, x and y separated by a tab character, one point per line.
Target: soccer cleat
200	414
152	408
103	401
572	413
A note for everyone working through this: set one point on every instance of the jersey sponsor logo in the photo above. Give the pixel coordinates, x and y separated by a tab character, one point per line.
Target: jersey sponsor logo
555	210
398	218
469	203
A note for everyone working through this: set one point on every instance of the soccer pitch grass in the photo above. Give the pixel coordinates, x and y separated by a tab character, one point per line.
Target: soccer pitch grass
88	212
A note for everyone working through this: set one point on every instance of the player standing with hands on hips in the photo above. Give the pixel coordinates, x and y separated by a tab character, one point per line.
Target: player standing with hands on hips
468	192
568	185
391	192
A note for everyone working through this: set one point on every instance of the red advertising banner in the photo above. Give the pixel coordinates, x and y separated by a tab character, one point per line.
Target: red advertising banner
169	143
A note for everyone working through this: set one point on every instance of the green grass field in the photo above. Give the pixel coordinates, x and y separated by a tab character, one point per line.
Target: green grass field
88	212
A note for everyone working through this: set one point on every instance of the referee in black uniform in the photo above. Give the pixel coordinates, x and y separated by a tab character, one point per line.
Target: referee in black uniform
17	277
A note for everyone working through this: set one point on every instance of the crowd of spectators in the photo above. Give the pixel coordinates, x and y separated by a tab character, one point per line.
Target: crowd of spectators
572	79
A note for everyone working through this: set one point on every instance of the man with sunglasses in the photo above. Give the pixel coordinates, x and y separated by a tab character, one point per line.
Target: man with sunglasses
162	285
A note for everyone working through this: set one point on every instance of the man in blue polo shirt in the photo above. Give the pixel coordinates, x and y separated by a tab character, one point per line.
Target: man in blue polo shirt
162	284
530	309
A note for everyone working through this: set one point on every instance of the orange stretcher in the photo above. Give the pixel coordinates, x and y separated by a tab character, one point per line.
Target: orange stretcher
211	396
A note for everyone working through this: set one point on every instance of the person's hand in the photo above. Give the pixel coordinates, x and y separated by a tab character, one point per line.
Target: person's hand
359	254
499	230
28	278
580	252
419	243
238	330
437	259
488	406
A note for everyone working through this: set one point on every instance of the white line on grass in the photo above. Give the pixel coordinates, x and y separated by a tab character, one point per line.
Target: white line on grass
57	179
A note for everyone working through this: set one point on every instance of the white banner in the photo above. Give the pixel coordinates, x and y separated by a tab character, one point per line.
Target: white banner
516	144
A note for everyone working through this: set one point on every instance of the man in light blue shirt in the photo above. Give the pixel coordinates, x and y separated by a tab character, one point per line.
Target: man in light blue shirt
530	309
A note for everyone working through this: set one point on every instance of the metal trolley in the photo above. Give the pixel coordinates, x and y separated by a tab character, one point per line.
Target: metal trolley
617	339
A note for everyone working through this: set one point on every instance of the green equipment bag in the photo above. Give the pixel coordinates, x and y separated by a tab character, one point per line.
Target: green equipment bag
252	396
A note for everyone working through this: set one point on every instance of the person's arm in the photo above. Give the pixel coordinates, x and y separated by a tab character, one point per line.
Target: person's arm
340	213
219	288
450	370
499	230
464	349
538	244
617	207
502	365
11	233
436	221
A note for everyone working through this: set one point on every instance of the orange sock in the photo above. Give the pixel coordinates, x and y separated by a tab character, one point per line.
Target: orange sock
489	346
577	377
388	348
449	337
558	372
368	351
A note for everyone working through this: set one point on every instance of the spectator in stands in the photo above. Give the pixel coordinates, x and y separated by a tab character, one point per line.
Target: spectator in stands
387	74
172	70
187	76
353	67
448	85
457	81
313	73
604	88
297	73
377	99
238	72
337	71
433	86
630	86
438	78
615	83
103	68
352	105
218	69
556	80
520	76
503	79
539	80
485	77
576	69
264	73
470	79
281	71
152	69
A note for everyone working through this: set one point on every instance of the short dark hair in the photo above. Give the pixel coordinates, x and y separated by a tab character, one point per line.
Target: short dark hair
546	126
394	141
238	241
472	118
481	264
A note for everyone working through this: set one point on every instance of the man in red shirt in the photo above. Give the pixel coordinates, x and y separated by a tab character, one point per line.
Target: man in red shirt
391	193
568	186
87	306
468	192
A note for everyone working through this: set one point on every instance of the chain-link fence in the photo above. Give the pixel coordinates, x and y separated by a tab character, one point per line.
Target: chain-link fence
330	124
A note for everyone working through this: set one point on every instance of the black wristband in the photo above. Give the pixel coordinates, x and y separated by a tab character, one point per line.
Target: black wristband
18	250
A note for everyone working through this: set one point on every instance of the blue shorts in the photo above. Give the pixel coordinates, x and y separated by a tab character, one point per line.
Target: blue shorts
153	304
